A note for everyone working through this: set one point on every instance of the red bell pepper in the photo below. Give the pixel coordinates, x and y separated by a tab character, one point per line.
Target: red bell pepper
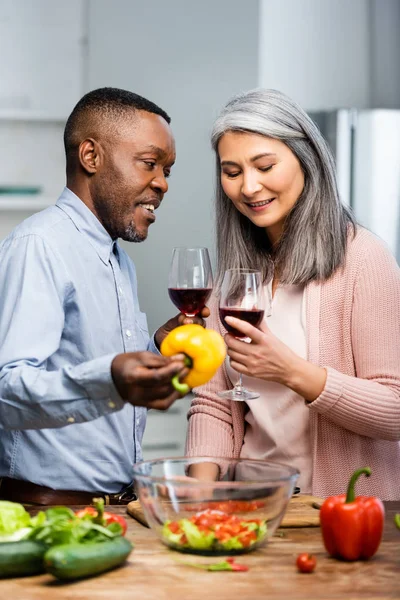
352	526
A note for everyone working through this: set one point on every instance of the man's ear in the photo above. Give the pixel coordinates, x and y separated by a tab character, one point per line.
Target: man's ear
90	155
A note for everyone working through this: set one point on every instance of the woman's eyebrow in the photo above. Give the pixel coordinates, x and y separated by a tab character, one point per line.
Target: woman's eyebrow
262	155
253	159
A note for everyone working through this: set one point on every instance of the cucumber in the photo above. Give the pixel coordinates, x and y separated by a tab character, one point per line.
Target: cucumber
76	561
21	558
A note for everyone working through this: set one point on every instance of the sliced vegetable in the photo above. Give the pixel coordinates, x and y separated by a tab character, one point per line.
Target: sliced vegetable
62	526
96	514
225	565
21	558
214	530
76	561
228	506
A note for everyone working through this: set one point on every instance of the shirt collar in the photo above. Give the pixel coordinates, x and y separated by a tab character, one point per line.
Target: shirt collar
87	223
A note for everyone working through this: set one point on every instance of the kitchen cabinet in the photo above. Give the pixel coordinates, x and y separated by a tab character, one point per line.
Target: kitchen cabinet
42	48
42	67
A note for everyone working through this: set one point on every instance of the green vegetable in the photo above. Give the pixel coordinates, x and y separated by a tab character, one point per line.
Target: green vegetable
13	517
190	536
225	565
196	538
21	558
58	525
232	544
76	561
397	520
62	526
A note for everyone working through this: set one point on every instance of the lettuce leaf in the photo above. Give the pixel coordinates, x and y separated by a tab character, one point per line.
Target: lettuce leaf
13	516
196	538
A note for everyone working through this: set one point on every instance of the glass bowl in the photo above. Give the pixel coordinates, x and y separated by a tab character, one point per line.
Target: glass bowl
233	514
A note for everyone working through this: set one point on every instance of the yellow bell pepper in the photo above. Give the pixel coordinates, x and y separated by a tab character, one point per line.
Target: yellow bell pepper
205	351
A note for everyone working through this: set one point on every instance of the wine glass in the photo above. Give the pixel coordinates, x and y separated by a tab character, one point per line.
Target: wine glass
242	296
190	279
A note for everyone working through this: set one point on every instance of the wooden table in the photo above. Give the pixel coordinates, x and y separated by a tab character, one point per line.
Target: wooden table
152	573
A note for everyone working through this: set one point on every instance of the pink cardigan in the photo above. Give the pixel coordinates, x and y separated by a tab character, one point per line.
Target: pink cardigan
353	329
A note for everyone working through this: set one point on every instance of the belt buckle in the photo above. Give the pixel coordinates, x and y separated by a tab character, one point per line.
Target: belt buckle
125	495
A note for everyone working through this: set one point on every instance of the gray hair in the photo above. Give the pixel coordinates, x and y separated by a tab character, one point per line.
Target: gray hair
313	243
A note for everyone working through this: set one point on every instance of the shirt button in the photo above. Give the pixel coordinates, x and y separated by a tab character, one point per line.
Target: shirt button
71	420
128	333
120	290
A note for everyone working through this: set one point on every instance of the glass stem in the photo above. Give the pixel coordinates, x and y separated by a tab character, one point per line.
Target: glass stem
239	386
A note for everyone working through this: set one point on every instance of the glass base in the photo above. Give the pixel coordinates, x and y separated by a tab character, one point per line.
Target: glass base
239	395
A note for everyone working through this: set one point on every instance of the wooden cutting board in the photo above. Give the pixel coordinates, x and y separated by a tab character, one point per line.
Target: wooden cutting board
303	511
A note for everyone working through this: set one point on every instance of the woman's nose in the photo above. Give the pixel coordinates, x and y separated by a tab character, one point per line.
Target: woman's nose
250	184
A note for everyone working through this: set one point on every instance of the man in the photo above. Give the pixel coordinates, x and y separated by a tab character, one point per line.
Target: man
75	377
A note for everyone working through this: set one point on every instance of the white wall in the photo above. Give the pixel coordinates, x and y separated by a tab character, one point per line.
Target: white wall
189	57
316	51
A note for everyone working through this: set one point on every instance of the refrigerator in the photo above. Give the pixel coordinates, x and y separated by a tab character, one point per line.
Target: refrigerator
366	147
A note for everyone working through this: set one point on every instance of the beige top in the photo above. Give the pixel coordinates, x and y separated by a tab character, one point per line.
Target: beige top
277	423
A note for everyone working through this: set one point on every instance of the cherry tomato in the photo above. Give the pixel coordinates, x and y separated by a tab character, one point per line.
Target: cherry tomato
306	563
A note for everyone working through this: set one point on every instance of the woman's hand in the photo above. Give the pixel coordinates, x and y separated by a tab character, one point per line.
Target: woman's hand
266	357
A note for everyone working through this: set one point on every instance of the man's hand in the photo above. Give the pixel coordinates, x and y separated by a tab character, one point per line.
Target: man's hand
180	319
144	378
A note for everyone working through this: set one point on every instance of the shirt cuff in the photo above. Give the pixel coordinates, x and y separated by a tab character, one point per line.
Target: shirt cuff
331	393
95	377
152	347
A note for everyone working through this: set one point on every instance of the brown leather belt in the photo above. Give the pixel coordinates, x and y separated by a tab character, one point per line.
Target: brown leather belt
26	492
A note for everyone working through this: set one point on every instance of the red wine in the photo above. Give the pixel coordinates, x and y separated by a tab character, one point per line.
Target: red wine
190	301
254	317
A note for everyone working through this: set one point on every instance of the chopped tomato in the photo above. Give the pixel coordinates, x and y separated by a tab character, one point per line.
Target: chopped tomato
89	510
174	527
108	518
229	506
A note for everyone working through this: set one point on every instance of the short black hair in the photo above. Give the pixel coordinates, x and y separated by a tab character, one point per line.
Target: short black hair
105	102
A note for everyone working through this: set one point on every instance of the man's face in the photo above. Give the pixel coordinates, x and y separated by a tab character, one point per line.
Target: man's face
132	180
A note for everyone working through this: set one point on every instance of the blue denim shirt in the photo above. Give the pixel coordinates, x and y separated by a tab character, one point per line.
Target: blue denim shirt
68	305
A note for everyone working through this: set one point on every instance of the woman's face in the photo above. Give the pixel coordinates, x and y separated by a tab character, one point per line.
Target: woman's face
262	177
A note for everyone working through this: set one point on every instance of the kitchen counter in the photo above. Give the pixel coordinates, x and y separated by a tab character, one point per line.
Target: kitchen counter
152	573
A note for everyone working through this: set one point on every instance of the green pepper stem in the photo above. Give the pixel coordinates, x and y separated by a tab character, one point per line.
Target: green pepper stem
350	497
188	361
182	388
99	506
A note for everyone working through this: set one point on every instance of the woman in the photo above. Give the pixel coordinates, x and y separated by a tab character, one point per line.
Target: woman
326	359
